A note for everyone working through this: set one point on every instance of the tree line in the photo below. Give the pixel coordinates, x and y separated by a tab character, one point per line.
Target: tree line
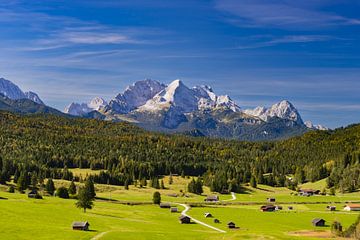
48	146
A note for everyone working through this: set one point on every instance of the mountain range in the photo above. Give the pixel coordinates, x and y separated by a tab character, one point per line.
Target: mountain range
173	108
13	99
198	111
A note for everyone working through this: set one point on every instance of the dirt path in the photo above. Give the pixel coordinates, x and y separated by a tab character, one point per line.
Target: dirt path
233	197
187	208
100	235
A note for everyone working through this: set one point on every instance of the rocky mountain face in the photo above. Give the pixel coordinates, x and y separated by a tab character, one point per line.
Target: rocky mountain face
81	109
176	108
12	91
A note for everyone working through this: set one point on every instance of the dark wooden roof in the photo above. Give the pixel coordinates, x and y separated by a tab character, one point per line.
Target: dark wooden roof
317	220
80	224
183	217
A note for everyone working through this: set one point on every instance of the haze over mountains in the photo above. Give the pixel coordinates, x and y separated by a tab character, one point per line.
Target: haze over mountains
174	108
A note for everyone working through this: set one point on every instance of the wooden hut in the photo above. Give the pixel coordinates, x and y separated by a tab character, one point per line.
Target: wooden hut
84	226
184	219
318	222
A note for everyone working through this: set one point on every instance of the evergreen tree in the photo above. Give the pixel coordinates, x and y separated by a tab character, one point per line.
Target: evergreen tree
162	186
171	179
72	188
199	186
50	187
34	180
253	182
22	183
90	188
85	199
156	198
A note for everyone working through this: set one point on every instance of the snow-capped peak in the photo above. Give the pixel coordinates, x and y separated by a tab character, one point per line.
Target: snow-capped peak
97	103
283	109
310	125
79	109
34	97
12	91
175	94
135	96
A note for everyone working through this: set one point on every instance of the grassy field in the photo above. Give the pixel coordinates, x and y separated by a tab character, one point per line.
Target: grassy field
51	217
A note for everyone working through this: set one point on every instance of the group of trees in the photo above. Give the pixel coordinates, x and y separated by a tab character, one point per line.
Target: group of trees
47	146
196	186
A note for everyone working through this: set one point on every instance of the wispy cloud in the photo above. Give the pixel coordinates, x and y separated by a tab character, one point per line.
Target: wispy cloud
280	14
268	41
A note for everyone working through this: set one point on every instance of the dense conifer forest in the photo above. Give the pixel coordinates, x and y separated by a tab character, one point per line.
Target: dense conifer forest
47	146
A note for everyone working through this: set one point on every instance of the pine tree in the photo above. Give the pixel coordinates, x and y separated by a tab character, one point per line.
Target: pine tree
90	188
22	183
85	199
157	198
198	186
162	186
72	188
34	180
171	181
50	187
253	182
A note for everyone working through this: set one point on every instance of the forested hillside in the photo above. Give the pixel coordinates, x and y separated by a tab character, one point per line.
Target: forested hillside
48	145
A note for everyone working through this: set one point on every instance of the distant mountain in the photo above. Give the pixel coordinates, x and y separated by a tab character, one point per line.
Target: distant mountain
12	91
26	106
283	110
81	109
197	111
310	125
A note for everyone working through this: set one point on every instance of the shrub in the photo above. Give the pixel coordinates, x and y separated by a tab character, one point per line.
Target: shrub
157	198
62	192
11	189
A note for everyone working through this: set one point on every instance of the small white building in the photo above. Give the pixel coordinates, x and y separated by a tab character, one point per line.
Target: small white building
352	207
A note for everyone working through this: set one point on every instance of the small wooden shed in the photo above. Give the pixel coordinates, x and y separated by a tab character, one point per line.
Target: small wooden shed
84	226
318	222
184	219
165	205
231	225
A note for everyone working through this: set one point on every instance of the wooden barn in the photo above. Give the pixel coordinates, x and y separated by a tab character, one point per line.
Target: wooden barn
212	198
84	226
184	219
231	225
32	194
165	205
207	215
268	208
352	207
318	222
174	209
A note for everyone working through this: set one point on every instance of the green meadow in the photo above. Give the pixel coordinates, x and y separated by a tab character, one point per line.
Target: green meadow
51	217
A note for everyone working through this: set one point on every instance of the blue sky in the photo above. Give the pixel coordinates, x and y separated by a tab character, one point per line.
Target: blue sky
257	51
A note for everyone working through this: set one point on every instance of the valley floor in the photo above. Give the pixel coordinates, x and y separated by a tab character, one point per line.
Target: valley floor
51	217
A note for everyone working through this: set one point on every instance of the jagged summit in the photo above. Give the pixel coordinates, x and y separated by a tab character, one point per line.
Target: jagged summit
283	109
134	96
79	109
12	91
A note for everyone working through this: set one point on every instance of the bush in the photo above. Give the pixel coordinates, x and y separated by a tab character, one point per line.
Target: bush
157	198
62	192
38	196
11	189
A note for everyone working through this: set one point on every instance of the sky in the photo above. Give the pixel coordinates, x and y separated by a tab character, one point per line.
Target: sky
257	51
